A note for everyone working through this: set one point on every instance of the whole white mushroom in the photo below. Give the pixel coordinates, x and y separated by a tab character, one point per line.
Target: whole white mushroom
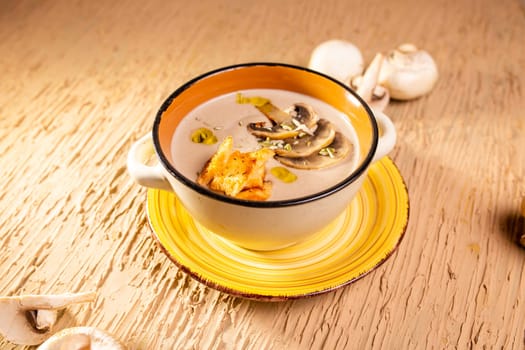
408	72
82	338
339	59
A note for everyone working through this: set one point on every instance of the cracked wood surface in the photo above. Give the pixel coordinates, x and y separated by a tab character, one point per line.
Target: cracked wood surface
81	80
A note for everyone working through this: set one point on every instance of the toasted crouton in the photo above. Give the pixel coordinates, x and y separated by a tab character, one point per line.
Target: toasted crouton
237	174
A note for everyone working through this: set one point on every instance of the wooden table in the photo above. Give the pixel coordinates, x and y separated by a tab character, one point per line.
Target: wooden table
82	80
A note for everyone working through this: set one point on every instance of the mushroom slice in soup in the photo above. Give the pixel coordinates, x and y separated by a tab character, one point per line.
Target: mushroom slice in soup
303	114
326	157
266	107
308	145
275	132
299	138
298	119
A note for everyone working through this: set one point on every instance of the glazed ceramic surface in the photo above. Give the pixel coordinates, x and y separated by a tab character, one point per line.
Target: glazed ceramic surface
363	236
265	225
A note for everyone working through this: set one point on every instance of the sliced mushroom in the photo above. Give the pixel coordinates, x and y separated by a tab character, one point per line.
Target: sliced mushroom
274	132
339	149
82	338
309	144
297	135
274	113
42	320
299	118
303	114
265	106
29	319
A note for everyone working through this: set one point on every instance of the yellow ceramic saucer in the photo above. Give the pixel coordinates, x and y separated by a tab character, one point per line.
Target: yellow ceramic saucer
362	238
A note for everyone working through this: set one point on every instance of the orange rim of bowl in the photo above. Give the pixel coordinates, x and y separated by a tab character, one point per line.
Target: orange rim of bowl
293	78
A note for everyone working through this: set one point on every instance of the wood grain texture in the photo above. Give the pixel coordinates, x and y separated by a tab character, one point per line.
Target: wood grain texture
81	80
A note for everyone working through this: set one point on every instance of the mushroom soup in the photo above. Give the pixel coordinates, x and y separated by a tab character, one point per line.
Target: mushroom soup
234	115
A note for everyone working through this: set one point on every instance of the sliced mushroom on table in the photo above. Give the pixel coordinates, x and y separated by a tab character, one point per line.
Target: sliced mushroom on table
29	319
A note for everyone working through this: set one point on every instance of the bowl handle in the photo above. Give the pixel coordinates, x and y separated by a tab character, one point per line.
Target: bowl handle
387	135
146	175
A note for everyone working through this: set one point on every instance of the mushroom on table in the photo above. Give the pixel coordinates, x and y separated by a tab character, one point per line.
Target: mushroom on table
29	319
403	73
367	85
337	58
408	72
82	338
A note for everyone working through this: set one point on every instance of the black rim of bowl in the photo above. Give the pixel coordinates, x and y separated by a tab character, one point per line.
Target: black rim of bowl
263	204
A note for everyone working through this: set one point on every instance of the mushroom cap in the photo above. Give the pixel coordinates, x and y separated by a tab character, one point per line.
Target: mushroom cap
303	114
339	59
342	148
309	144
408	72
80	338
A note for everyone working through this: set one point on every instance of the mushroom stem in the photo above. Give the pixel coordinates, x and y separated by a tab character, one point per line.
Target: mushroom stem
58	301
370	78
42	320
380	98
367	86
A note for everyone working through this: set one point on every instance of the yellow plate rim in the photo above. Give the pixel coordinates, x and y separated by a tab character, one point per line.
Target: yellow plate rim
402	210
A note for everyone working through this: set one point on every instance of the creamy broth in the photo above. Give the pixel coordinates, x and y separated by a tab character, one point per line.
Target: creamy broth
225	118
